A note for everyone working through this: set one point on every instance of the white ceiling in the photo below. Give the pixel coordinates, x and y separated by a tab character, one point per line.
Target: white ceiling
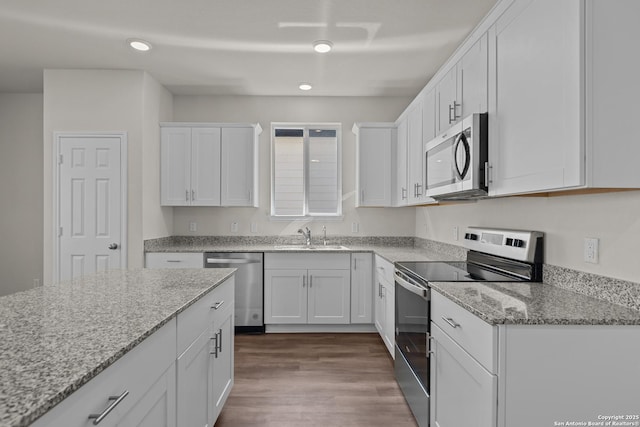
239	47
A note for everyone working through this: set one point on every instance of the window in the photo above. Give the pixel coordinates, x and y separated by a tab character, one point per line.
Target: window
305	170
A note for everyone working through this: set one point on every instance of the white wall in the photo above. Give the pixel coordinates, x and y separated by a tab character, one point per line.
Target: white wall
157	107
345	110
614	218
20	191
109	101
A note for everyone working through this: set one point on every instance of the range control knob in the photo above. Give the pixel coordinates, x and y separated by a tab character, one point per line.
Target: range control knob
470	236
518	243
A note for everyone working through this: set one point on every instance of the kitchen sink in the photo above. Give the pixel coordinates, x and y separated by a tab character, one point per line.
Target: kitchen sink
311	247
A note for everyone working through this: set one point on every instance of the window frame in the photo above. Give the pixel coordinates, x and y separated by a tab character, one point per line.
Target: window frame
305	126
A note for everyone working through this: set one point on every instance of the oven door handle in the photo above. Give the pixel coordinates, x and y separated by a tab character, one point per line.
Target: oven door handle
418	290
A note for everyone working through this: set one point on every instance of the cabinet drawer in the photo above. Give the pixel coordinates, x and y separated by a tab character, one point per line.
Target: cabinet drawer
318	261
195	319
174	260
473	334
384	270
135	372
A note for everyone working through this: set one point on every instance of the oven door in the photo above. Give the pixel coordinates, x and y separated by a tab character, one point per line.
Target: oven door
412	340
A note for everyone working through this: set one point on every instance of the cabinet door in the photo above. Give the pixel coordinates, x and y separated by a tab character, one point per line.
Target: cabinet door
473	68
194	382
428	117
205	166
374	166
329	299
458	381
448	110
361	288
416	153
389	296
285	296
238	158
223	329
402	172
380	311
175	170
536	136
157	406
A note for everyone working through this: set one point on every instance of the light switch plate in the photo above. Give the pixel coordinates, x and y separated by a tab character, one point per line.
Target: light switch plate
193	226
591	250
254	227
234	227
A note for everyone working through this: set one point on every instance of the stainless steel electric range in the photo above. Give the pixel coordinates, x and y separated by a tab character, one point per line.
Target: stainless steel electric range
494	255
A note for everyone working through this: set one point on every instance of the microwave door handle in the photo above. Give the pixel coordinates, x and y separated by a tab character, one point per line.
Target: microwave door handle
461	139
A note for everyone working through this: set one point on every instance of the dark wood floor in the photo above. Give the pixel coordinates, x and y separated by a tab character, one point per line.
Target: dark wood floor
289	380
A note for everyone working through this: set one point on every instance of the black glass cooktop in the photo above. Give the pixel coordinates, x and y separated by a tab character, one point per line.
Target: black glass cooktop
452	271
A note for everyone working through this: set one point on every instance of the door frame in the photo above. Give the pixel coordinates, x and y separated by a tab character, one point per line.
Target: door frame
124	168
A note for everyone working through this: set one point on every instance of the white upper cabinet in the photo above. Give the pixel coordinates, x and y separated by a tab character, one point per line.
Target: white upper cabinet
463	89
401	184
209	164
375	155
561	78
415	151
535	137
239	167
188	176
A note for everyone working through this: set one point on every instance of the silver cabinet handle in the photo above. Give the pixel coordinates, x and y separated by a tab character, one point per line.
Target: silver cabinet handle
429	339
304	281
219	349
418	189
193	195
450	322
217	305
355	263
97	418
404	193
215	346
186	195
310	281
173	260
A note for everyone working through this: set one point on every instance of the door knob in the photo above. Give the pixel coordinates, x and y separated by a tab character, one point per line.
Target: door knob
113	246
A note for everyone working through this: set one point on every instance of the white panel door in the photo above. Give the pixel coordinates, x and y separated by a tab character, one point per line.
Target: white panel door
90	205
237	166
205	166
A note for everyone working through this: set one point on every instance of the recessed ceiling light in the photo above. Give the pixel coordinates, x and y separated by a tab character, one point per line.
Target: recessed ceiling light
305	86
140	45
322	46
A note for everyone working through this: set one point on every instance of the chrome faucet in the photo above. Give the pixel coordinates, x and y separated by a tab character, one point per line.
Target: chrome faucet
306	234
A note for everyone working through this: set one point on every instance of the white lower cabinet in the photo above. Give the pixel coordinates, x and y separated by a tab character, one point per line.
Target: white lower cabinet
384	313
143	380
307	288
205	364
150	387
459	381
361	288
173	260
528	375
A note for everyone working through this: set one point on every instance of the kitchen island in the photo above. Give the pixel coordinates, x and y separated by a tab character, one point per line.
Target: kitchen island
55	339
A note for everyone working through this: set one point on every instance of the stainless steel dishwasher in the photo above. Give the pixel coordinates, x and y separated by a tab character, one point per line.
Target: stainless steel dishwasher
248	286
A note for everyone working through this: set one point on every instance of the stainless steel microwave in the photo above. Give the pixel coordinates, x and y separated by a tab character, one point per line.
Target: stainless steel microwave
457	161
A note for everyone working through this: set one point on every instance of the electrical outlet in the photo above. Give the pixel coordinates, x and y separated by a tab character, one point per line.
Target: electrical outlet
355	227
455	233
193	226
234	227
254	227
591	250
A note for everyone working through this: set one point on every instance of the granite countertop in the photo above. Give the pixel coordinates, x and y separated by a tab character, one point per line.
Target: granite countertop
54	339
534	304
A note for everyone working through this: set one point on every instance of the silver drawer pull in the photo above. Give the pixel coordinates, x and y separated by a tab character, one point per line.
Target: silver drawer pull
97	418
173	260
217	305
450	322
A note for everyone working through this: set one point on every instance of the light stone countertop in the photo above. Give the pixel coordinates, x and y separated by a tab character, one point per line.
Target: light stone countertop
496	303
530	303
54	339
